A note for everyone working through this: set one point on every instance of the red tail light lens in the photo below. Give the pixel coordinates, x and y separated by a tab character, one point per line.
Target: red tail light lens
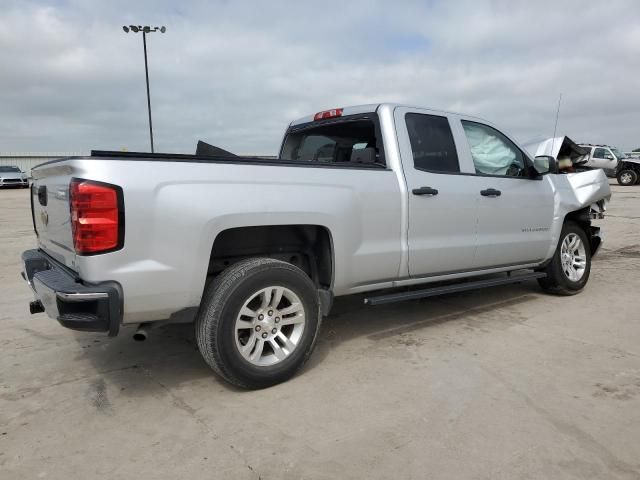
96	219
336	112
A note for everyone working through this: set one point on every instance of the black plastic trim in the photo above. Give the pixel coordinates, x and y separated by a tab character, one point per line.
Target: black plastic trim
457	287
180	158
33	215
537	177
92	315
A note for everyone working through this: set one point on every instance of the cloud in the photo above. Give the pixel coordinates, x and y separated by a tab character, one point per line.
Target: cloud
235	73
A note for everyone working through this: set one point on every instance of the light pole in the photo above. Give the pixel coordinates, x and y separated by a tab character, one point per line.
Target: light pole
145	30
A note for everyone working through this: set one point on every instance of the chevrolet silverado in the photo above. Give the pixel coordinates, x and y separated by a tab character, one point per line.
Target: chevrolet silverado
396	201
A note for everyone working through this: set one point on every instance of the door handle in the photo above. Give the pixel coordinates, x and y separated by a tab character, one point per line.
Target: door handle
490	192
424	191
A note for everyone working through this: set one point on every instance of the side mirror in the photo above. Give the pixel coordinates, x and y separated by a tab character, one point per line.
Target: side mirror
545	164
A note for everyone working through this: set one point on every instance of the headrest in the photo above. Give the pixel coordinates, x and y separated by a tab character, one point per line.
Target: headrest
364	155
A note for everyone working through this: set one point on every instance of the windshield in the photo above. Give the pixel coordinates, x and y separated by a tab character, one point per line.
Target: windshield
9	169
618	153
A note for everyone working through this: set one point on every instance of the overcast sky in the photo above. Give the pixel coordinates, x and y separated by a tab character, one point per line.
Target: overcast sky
234	73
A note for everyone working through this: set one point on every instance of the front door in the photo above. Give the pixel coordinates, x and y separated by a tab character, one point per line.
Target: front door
515	210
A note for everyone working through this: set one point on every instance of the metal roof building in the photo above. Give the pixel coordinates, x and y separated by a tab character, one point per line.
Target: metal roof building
27	160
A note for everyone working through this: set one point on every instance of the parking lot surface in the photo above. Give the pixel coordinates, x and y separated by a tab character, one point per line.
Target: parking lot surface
501	383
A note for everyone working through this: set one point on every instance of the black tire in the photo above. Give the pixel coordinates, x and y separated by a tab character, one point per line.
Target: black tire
221	304
557	281
627	177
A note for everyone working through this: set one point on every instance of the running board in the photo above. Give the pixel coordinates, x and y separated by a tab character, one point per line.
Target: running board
458	287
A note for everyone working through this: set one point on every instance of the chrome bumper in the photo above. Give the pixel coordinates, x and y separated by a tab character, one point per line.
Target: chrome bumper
65	298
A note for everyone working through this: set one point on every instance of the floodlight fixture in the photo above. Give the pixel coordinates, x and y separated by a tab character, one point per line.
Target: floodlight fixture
146	29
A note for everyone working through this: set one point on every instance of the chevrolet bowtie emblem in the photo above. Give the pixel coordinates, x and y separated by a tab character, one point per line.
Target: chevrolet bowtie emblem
44	217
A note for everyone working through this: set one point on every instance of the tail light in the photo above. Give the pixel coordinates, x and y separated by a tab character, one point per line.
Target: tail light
97	216
336	112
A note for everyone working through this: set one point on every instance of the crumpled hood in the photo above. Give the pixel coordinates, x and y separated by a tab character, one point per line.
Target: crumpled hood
558	147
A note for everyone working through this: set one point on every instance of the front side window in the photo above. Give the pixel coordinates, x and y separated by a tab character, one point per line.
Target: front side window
492	152
432	143
346	142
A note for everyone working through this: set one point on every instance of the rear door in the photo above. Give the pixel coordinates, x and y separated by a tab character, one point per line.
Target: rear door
515	206
442	207
51	214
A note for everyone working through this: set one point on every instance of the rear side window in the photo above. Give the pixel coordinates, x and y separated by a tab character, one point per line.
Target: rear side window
432	143
348	142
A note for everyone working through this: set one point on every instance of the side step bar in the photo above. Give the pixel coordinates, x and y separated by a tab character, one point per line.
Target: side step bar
458	287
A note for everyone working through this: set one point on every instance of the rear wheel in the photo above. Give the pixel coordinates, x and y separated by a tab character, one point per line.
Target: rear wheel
258	322
627	177
568	271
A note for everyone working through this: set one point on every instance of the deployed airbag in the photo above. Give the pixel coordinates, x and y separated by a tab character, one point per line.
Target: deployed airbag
490	154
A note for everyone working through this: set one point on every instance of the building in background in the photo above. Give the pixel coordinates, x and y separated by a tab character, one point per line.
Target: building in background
25	161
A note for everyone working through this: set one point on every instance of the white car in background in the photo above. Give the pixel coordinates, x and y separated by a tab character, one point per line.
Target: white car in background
11	176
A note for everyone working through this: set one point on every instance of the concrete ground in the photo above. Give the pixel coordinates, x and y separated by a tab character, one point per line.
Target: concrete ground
502	383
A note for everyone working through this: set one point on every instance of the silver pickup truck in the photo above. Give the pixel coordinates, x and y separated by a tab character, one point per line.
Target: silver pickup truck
253	250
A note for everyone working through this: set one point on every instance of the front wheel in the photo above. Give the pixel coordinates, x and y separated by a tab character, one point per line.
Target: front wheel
627	177
258	322
568	271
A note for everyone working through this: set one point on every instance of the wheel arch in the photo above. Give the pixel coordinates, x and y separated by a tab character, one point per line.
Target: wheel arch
582	217
307	246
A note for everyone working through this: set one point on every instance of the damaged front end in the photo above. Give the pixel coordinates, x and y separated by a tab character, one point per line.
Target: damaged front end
582	197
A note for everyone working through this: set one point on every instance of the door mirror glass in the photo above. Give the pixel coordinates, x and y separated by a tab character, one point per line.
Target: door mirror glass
545	164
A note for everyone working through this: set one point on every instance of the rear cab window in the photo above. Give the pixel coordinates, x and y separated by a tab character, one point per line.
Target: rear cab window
350	141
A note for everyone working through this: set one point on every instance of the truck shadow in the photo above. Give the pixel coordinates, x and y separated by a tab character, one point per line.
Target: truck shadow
169	358
483	310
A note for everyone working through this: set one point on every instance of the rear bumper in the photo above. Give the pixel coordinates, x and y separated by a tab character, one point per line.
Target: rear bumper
65	298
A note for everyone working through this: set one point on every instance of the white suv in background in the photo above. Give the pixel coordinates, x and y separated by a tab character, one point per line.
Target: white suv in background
604	157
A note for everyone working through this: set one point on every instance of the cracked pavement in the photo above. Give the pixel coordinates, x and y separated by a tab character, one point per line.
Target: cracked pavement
499	383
